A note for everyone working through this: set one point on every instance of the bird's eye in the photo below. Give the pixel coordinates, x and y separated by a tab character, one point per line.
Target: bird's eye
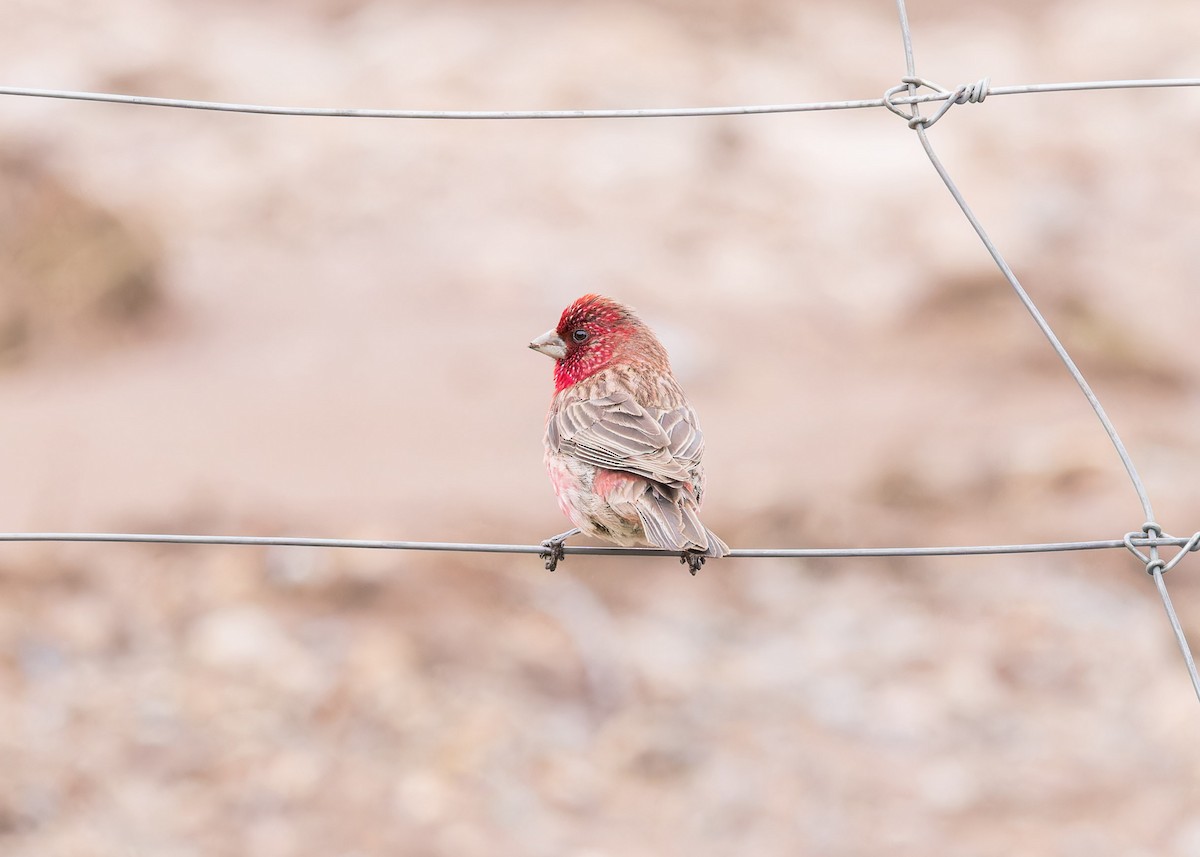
580	335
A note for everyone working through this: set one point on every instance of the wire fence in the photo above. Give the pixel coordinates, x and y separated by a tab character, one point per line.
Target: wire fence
905	100
629	113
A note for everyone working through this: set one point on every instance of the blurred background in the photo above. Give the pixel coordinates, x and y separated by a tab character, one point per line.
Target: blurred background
265	325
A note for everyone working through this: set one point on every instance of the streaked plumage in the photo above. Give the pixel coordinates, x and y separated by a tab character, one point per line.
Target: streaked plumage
623	446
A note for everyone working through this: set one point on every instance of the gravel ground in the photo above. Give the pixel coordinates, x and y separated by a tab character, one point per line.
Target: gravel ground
217	323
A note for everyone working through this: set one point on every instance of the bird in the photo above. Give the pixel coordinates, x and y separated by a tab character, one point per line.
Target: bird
623	446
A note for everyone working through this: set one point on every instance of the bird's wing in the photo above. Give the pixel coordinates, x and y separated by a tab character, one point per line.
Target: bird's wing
615	432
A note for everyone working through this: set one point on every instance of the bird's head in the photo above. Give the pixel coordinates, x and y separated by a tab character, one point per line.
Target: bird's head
593	334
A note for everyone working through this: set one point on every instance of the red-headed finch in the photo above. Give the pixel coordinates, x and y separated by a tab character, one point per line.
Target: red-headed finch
623	446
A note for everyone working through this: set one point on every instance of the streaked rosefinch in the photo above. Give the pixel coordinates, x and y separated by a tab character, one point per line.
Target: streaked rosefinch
623	446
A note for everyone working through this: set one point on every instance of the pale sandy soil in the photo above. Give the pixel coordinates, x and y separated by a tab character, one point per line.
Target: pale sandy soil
339	350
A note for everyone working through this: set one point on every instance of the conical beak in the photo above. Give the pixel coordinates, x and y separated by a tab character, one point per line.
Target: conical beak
550	344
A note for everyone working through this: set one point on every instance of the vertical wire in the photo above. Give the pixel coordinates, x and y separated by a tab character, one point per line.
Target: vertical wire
1038	318
1178	629
1155	565
906	35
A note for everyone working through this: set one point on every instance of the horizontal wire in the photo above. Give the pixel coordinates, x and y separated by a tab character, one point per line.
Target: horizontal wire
466	547
623	113
913	99
815	553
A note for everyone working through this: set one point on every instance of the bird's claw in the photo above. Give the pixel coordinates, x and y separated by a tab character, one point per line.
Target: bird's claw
694	561
552	549
553	553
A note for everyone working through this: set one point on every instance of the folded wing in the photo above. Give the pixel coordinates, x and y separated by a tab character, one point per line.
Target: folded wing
615	432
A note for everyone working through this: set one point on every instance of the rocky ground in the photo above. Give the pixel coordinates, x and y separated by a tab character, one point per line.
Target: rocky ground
267	325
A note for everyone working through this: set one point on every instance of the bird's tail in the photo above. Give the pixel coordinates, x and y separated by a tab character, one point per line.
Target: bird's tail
716	545
671	523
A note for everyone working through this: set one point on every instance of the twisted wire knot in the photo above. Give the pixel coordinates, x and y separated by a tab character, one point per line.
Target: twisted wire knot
1154	563
966	93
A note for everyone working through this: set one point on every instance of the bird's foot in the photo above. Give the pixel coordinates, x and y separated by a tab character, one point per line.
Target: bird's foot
553	552
694	561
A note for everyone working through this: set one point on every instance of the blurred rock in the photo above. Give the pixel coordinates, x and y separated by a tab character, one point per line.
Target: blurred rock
72	273
239	637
